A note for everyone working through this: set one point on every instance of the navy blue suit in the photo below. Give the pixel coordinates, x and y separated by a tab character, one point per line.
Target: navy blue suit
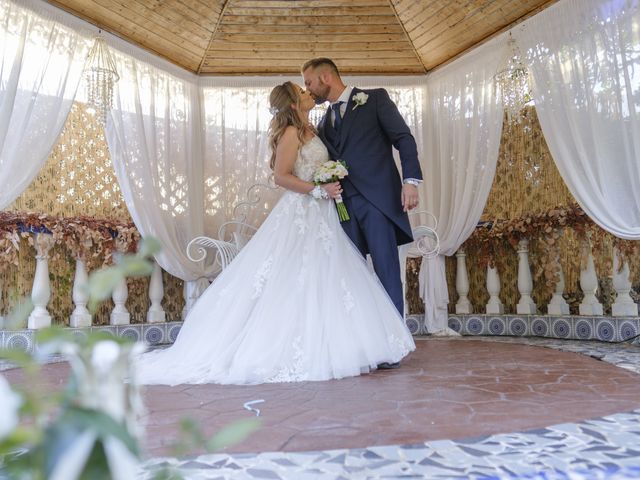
372	191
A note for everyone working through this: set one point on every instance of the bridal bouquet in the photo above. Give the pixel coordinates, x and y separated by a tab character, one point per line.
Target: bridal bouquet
329	172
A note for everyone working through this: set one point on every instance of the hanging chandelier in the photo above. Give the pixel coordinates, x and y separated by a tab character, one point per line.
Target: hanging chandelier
513	83
101	76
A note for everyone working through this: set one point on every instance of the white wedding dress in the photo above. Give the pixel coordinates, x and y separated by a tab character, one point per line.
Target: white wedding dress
298	303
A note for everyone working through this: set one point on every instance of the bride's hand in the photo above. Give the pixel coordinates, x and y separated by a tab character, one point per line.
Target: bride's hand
333	189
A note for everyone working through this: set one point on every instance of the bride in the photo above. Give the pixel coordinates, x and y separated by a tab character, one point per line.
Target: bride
298	303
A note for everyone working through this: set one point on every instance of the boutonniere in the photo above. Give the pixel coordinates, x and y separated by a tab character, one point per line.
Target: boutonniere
359	99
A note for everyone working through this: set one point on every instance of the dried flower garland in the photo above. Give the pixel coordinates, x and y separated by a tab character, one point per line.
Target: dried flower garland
84	237
493	242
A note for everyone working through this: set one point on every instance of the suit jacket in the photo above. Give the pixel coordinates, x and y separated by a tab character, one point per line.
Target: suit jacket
365	143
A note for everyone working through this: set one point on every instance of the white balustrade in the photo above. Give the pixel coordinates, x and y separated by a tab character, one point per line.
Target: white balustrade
192	291
624	306
1	316
81	317
494	306
526	305
120	315
463	305
558	305
41	290
156	292
589	285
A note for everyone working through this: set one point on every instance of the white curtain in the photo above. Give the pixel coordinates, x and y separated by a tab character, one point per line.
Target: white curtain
584	56
236	116
41	63
236	153
153	137
462	138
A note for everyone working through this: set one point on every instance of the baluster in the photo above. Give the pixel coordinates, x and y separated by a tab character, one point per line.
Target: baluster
1	309
80	316
624	306
558	305
463	305
526	305
41	290
120	315
494	306
589	285
191	292
156	292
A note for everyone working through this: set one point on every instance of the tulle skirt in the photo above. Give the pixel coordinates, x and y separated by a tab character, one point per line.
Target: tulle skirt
298	303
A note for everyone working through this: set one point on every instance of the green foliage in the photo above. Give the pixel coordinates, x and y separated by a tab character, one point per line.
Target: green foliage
54	427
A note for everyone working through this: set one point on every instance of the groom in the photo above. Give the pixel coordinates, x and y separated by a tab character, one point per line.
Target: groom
360	128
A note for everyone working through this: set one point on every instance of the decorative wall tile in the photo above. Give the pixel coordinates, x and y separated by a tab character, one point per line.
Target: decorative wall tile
627	329
583	328
132	332
496	326
112	329
540	326
560	328
474	325
518	326
21	340
172	332
605	330
455	323
154	334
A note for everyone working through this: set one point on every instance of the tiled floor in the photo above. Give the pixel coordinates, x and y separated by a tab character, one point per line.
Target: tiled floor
475	390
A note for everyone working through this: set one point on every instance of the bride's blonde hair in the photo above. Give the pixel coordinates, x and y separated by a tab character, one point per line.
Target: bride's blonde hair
282	99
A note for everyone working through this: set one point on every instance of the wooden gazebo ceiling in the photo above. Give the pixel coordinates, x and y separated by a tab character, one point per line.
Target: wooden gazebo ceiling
221	37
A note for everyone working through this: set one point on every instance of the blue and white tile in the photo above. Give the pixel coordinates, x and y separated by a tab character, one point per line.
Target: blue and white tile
474	325
154	334
131	332
518	326
80	334
606	330
561	327
455	323
110	329
584	328
21	340
540	326
496	325
627	328
173	331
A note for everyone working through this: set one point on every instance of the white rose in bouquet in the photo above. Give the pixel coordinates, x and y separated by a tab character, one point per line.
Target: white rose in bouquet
329	172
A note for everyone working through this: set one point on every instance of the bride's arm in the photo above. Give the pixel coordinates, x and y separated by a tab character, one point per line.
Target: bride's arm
286	155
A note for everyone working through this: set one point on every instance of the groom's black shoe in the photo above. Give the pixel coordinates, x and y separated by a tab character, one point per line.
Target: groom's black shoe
388	366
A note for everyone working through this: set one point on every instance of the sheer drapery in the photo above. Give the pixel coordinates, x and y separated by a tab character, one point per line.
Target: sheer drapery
41	63
585	61
462	138
235	147
153	137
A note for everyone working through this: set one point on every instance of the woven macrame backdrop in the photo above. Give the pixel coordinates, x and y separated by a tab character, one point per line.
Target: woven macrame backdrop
78	180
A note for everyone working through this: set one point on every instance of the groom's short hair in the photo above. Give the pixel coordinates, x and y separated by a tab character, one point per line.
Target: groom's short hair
321	62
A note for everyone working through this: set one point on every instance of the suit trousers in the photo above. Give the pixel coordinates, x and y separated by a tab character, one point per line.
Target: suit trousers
372	232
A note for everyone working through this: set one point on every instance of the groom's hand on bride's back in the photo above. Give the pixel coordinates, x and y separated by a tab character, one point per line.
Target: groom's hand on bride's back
409	197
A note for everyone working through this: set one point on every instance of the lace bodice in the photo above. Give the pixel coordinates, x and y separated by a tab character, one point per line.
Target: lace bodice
310	156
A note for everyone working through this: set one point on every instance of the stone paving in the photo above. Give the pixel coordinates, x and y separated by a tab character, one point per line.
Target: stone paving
564	408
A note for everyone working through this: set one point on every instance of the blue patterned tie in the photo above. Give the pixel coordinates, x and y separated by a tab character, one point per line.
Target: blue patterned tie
337	118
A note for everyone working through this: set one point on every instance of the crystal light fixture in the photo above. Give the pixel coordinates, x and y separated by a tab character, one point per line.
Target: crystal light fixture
513	83
101	76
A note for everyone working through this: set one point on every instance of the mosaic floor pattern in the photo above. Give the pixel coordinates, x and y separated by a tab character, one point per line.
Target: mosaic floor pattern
607	447
566	418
